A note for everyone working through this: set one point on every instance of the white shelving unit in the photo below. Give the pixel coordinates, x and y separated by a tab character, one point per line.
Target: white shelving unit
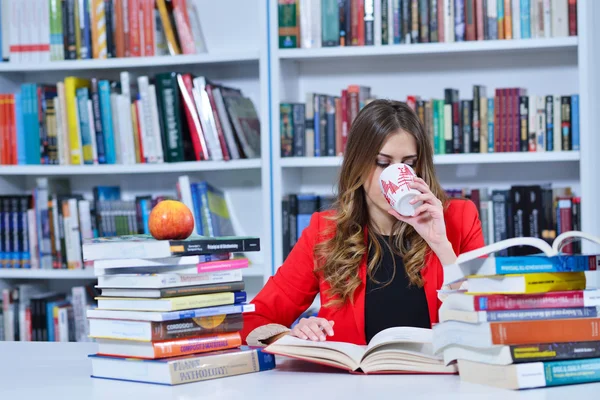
237	56
562	66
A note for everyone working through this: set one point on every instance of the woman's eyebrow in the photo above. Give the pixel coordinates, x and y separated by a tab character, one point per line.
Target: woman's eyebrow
411	156
385	155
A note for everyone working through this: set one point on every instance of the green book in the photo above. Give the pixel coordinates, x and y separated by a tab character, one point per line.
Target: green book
169	109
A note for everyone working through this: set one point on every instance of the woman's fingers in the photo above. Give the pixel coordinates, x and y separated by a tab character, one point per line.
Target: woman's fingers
298	333
326	326
420	185
312	331
313	328
426	198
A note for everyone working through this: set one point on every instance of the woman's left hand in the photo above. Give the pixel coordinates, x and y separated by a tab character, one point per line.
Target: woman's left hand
428	221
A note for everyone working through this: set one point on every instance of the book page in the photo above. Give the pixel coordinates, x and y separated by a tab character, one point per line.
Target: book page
566	237
319	349
399	335
505	244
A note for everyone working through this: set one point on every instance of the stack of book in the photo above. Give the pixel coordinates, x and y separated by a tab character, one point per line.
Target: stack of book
524	321
171	311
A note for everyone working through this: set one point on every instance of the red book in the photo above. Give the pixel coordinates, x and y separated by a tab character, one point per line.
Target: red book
183	26
191	113
572	17
470	29
479	19
133	15
12	129
440	21
148	18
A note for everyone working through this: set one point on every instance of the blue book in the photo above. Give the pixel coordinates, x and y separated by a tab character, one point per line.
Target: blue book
107	122
575	122
20	125
216	220
525	19
307	205
491	125
31	124
183	369
317	125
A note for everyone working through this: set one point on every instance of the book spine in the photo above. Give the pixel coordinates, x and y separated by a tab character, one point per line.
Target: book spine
203	344
201	289
554	351
214	324
536	301
535	264
569	372
223	265
221	365
545	331
541	314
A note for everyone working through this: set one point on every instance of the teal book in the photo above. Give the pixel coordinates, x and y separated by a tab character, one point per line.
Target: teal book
107	122
20	125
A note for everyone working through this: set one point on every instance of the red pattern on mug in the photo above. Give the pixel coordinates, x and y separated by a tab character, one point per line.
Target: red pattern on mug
405	177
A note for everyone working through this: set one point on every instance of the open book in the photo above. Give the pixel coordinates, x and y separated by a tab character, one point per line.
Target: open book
550	258
393	350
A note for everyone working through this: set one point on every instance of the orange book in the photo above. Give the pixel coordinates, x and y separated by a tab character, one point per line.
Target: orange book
184	30
134	28
545	331
169	348
4	154
148	18
136	138
140	142
119	28
12	129
508	19
98	19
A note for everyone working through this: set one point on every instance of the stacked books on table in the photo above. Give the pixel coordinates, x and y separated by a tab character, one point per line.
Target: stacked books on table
171	311
524	321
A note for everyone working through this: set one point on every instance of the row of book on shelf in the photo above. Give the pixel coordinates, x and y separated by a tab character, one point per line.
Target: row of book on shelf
509	120
330	23
171	117
46	229
41	30
538	211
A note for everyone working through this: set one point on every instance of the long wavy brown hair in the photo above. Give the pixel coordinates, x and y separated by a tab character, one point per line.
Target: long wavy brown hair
338	258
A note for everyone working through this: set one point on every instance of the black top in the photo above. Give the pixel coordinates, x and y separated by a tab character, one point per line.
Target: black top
396	304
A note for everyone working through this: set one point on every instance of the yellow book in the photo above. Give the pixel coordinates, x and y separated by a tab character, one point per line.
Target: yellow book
172	303
136	142
168	28
71	85
526	283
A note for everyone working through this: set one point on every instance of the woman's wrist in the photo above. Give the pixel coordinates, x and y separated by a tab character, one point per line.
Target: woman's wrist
444	252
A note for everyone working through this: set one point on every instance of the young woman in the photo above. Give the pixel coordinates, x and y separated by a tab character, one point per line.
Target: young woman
372	268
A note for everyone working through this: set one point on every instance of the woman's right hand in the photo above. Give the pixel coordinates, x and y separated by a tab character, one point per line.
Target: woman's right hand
313	328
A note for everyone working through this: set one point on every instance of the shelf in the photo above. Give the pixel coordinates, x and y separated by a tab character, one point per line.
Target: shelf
253	271
448	159
517	45
132	62
47	274
132	169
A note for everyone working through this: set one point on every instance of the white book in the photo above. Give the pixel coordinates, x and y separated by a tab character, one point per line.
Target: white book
63	140
449	20
532	126
60	148
226	124
6	27
126	140
516	19
310	24
63	324
44	31
185	195
92	128
161	281
126	263
34	249
560	18
390	21
207	119
125	84
557	124
56	223
146	123
194	12
377	23
80	306
16	35
72	235
447	122
160	39
534	18
547	18
541	123
158	149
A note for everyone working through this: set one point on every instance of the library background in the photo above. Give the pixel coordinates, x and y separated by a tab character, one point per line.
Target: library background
241	109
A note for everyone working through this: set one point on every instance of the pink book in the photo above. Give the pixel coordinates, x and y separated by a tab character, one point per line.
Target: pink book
223	265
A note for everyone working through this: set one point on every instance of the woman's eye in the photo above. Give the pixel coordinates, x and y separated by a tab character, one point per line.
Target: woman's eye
382	164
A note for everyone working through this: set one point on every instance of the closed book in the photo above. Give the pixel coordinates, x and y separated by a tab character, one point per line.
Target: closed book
213	266
171	315
171	303
160	281
174	292
184	369
527	283
150	331
127	263
145	246
531	375
487	334
169	348
475	317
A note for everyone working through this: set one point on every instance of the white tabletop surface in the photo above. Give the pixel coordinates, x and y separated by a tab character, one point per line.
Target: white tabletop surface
61	371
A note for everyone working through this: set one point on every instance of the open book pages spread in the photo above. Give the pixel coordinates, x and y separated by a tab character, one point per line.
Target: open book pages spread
484	261
394	350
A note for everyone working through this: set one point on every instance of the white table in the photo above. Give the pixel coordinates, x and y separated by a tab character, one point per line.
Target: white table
61	371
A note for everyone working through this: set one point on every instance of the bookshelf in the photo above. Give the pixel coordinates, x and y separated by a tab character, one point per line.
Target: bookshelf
236	57
552	65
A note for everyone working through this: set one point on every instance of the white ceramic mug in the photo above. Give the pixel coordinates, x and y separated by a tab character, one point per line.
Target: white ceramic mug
394	183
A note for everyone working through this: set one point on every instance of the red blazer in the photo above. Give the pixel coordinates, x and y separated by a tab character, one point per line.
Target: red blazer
294	286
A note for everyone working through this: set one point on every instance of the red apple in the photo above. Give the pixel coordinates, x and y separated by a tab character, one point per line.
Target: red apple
171	220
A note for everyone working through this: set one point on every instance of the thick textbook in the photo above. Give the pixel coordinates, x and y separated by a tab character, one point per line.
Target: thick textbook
171	315
185	369
145	246
171	303
393	350
531	375
551	259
